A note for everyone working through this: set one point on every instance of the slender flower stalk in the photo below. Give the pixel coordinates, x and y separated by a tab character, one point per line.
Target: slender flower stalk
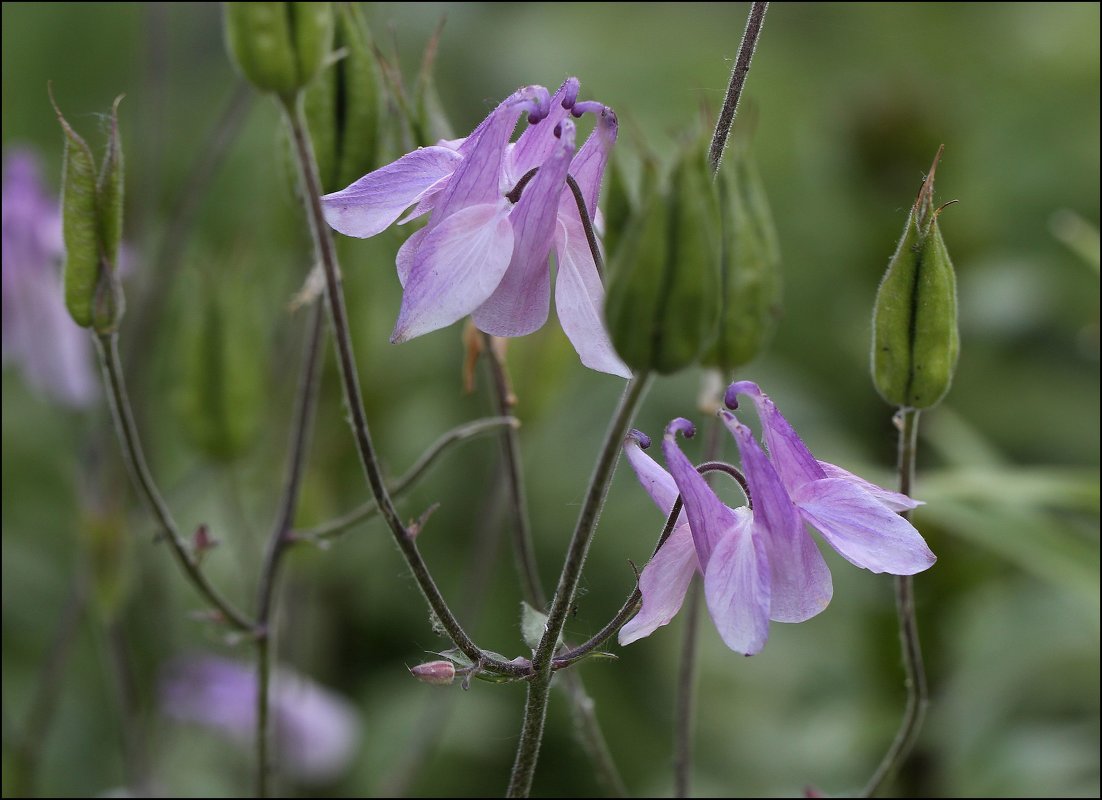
126	430
327	531
305	407
734	86
539	685
338	317
917	693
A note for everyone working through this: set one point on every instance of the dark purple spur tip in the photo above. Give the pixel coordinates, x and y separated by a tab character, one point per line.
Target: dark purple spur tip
569	90
639	437
730	397
534	118
682	426
558	130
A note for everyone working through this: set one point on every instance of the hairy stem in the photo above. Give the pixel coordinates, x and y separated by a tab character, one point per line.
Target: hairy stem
338	318
539	685
915	673
461	433
734	86
305	406
126	430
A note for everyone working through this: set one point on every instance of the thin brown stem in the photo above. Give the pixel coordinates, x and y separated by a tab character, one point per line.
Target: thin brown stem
685	698
734	86
305	406
915	672
126	430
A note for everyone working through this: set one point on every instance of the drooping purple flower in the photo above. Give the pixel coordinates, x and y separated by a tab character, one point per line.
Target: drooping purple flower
39	336
761	565
316	732
483	252
857	518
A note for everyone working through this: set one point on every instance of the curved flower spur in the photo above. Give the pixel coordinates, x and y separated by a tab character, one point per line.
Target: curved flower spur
759	564
485	252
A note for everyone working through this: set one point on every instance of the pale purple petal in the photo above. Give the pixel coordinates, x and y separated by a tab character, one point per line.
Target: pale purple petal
580	299
894	501
861	529
476	179
457	266
800	578
792	459
521	301
709	519
538	142
406	253
736	586
663	584
658	483
589	165
371	204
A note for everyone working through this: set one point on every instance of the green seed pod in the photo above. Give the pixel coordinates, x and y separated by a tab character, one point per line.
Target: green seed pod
221	394
91	209
278	47
617	206
343	105
663	294
749	267
915	340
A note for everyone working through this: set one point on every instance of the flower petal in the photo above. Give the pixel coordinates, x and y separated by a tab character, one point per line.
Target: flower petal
800	578
404	259
893	501
793	460
859	527
521	301
457	266
663	584
656	481
709	519
371	204
580	299
537	142
736	586
589	165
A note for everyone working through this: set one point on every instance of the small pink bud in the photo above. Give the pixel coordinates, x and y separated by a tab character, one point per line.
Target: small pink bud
437	673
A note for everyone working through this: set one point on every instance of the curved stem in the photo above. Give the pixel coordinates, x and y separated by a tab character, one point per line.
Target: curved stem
346	360
539	686
523	552
305	405
126	430
734	86
917	693
461	433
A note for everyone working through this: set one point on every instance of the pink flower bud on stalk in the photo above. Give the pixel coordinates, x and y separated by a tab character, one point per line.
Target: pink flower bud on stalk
436	673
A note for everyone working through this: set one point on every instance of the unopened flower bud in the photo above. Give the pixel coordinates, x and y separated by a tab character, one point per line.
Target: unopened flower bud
91	208
279	47
437	673
342	105
749	266
915	339
663	294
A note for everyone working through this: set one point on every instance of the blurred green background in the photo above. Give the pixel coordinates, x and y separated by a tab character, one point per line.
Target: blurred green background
851	101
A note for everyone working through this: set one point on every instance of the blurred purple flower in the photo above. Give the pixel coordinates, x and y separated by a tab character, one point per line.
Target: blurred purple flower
761	565
483	252
316	732
53	352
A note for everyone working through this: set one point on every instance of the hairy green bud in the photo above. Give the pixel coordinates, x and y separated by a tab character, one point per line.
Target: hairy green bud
91	210
915	341
750	279
278	47
663	293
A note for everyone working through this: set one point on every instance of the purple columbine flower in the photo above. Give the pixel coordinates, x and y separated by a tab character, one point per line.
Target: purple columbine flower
761	565
52	351
481	253
317	732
